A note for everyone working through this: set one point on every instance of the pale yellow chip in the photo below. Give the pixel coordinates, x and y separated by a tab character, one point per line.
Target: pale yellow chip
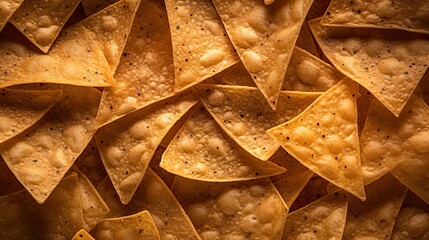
239	210
82	235
40	156
324	138
90	163
244	115
20	109
264	37
375	217
322	219
201	150
413	219
92	6
128	144
408	15
388	141
134	227
7	8
60	217
388	63
201	47
154	196
8	182
145	74
42	21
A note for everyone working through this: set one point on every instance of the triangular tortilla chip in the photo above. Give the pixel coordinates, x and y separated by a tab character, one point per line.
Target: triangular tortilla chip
8	182
90	163
145	74
82	235
388	63
413	219
388	141
324	138
244	115
92	6
7	8
154	196
127	145
133	227
42	21
200	45
201	150
60	217
248	209
20	109
322	219
264	37
400	14
375	217
40	156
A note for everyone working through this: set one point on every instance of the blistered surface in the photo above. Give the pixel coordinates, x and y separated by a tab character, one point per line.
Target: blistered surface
7	8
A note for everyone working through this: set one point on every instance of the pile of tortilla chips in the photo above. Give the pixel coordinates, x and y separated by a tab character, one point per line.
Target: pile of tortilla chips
214	119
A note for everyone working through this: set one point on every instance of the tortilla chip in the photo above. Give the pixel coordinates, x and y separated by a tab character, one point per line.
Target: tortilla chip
40	156
322	219
324	138
167	177
90	163
82	235
60	217
154	196
413	219
388	141
291	186
20	109
202	151
145	74
400	14
249	209
7	8
315	189
388	63
200	45
375	217
93	6
8	182
127	145
264	37
245	116
133	227
42	21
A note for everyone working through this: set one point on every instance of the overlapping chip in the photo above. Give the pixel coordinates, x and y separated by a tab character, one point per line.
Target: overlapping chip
324	138
379	14
386	62
7	8
264	37
201	150
20	109
90	163
248	209
154	196
200	45
127	145
244	115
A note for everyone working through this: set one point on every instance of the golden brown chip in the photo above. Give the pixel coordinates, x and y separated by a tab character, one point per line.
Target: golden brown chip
7	8
82	235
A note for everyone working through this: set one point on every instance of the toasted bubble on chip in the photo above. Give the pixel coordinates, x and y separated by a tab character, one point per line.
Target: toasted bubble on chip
8	182
244	115
7	8
128	144
82	235
239	210
388	141
154	196
201	150
413	219
405	15
42	21
60	216
324	138
133	227
41	155
201	47
92	6
264	37
375	217
145	74
90	163
322	219
20	109
388	63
